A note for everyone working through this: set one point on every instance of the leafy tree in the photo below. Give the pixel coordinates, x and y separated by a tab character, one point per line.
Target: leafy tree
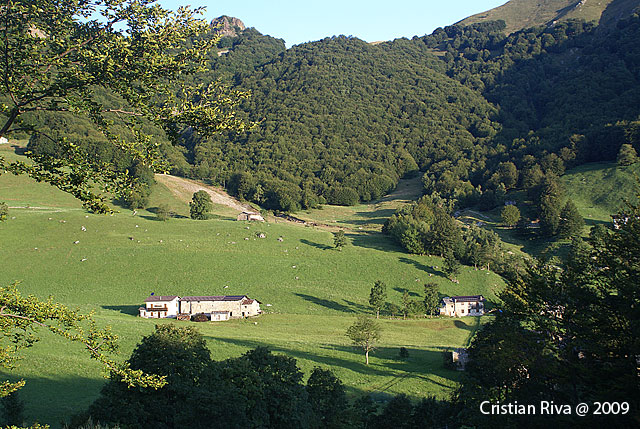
378	296
20	316
403	353
200	205
396	413
364	333
627	155
271	386
571	221
62	62
431	299
510	215
327	397
180	355
4	212
339	239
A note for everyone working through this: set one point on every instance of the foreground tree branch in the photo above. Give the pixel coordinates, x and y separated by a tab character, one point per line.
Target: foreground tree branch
138	60
21	316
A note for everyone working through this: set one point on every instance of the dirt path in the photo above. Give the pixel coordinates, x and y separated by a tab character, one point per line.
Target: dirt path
184	189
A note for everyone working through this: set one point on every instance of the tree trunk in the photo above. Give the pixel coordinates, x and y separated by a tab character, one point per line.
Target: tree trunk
377	314
12	117
366	354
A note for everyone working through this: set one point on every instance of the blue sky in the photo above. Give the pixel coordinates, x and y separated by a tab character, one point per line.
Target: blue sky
302	21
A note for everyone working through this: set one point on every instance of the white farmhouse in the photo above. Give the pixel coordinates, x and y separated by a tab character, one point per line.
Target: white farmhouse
158	307
457	306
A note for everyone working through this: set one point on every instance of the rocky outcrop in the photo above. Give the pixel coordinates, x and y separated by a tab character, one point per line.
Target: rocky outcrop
227	26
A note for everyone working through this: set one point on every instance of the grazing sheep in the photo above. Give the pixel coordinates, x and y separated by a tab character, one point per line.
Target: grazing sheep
76	242
82	228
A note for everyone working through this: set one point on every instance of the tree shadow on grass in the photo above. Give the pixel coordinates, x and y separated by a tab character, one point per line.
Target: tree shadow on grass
56	398
594	222
316	245
331	361
402	290
359	307
419	265
387	361
19	150
374	240
131	310
333	305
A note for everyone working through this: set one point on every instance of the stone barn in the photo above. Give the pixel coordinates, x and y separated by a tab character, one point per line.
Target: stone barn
237	306
250	216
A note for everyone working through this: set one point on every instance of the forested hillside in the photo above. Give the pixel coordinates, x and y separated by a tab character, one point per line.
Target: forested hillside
476	112
340	120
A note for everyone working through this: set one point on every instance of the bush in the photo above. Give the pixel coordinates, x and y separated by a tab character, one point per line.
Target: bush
404	353
200	317
162	212
4	211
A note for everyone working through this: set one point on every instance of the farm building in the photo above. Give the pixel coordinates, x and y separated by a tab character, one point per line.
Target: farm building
250	216
158	307
217	308
237	305
462	306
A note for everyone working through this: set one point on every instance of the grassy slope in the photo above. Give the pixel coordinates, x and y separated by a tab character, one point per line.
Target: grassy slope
311	304
599	189
520	14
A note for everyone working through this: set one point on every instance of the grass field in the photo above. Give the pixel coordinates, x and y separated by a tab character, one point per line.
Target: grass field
313	291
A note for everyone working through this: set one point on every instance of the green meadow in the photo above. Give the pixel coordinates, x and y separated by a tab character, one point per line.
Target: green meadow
309	291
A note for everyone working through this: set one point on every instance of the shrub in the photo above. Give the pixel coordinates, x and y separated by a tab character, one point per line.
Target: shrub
404	353
200	317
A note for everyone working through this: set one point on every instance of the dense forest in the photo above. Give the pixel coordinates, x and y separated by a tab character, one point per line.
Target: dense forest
341	121
475	112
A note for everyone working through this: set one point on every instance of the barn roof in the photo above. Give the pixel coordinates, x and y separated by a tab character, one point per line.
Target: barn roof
155	298
213	298
468	298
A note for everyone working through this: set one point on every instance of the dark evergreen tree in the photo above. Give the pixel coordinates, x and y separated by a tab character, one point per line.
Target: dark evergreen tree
378	296
451	265
339	239
549	204
406	304
571	221
431	299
